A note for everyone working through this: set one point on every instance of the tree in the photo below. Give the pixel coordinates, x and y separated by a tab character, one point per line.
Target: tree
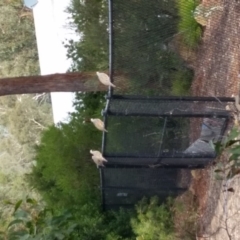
22	118
90	20
18	48
66	82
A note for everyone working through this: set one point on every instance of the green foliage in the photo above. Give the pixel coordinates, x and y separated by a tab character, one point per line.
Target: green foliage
90	19
181	83
187	25
22	120
18	49
22	117
153	221
64	172
228	167
32	220
118	224
150	220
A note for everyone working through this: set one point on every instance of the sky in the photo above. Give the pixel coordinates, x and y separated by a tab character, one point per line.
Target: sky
50	26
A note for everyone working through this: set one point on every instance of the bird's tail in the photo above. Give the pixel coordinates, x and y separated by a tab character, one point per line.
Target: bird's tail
105	160
105	130
113	85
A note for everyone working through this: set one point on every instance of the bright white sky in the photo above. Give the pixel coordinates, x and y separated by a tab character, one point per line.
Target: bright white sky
50	24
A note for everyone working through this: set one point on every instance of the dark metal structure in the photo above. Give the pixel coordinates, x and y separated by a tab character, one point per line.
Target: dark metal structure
123	187
150	140
164	131
151	132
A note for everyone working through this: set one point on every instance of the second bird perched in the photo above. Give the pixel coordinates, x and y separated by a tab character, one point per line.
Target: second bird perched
99	124
98	158
104	79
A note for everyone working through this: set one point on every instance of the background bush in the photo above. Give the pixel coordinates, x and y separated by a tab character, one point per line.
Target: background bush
64	172
181	83
150	221
187	26
153	221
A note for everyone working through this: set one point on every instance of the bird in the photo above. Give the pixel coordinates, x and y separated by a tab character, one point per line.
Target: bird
99	124
97	161
98	158
98	154
104	79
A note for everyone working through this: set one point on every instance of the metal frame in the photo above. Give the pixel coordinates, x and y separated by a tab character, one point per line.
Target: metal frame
171	159
160	161
110	93
178	98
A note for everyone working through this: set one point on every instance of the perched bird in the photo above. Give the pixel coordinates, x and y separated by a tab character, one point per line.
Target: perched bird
98	158
98	154
104	79
97	161
99	124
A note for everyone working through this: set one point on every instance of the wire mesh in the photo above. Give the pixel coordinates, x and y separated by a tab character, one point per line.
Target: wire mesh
124	187
150	56
161	140
163	131
144	61
127	106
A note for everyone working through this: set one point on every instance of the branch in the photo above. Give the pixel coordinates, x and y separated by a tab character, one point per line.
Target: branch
39	124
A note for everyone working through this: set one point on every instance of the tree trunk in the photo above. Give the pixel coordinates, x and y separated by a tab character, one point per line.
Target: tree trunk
59	82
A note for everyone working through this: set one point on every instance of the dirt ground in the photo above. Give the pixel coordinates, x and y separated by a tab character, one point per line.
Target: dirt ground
218	65
217	73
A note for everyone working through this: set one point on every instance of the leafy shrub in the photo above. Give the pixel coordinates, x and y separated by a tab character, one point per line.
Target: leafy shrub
181	83
227	168
64	173
153	221
188	26
33	220
118	223
89	19
150	221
